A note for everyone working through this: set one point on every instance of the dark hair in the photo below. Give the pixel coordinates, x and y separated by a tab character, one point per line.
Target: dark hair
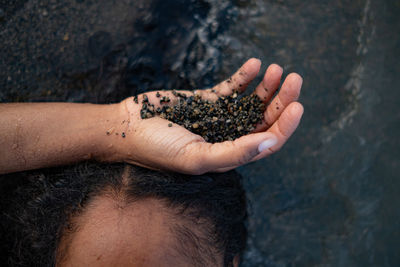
39	211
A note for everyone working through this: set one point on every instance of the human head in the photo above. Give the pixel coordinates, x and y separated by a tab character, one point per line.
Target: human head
121	213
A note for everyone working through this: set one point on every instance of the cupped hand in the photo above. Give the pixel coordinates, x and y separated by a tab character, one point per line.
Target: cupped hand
153	144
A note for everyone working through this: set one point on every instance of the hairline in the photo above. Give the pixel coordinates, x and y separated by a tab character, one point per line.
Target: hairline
189	240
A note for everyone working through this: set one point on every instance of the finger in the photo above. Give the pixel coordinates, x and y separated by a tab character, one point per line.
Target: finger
289	92
225	169
210	157
239	81
270	83
283	128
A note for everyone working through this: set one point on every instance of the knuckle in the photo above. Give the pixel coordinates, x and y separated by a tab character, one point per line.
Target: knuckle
197	170
193	164
190	167
243	155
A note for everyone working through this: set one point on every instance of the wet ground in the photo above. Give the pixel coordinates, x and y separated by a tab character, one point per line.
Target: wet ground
330	196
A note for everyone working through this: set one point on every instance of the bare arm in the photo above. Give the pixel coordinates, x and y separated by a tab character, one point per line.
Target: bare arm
49	134
37	135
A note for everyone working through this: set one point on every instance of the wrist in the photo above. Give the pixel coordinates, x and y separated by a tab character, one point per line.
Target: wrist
113	133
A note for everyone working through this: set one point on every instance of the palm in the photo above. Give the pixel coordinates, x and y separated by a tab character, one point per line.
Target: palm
176	148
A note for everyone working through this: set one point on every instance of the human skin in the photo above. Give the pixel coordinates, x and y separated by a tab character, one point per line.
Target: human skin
113	233
37	135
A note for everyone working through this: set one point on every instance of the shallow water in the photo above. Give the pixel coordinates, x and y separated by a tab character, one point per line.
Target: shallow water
329	197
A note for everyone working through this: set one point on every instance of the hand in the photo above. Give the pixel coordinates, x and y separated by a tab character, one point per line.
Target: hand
152	144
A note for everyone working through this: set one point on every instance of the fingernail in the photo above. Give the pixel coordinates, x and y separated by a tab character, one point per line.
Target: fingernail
270	142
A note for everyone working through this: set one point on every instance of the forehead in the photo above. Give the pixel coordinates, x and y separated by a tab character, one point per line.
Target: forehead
111	233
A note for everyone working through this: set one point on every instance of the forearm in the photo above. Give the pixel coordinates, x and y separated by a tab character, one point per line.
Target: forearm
37	135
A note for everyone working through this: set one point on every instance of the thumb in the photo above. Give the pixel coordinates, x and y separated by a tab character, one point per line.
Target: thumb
232	153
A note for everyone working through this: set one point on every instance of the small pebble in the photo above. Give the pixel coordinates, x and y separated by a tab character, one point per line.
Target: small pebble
165	99
228	118
66	37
